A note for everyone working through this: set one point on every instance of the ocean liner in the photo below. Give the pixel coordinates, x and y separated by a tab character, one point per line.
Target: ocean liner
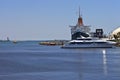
80	30
81	37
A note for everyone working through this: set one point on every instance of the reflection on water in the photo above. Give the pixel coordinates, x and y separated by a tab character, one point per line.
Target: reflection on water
104	62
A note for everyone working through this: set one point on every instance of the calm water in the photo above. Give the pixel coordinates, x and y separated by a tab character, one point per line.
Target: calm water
31	61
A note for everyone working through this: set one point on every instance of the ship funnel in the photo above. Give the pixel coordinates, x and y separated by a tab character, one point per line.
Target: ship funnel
80	21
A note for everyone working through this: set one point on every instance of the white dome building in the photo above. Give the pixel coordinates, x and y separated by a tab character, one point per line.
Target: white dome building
114	32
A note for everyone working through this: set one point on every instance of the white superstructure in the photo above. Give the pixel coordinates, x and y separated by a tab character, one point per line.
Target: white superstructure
114	32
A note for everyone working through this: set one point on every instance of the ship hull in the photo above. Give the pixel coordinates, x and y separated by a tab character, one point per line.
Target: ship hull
89	44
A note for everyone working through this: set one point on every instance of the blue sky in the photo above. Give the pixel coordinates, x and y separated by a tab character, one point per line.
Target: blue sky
50	19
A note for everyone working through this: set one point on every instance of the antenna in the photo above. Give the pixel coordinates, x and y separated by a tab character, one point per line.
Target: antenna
79	11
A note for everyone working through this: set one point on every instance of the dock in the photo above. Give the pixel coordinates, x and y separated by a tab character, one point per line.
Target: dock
53	42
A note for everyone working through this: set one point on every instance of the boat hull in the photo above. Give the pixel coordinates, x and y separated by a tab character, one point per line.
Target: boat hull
88	46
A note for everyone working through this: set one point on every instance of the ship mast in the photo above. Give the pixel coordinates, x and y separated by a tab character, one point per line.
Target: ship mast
80	21
79	12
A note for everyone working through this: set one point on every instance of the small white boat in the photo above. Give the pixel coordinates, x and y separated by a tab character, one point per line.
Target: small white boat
89	43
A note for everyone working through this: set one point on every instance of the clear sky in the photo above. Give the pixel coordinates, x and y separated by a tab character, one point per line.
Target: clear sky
50	19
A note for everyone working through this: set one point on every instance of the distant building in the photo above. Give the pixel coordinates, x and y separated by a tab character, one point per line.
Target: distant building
99	33
93	34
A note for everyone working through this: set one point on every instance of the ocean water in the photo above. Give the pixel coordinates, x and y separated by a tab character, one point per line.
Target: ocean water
27	60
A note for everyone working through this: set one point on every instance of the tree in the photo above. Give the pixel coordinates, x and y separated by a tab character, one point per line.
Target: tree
118	34
115	36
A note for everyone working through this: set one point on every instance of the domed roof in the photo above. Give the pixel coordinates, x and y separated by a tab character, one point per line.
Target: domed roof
116	31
